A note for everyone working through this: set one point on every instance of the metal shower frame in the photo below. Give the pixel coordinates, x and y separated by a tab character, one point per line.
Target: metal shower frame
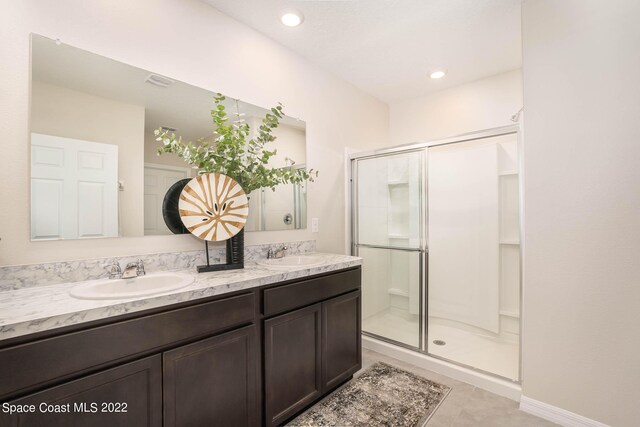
423	248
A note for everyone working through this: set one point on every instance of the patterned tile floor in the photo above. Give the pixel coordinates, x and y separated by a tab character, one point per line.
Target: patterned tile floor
466	405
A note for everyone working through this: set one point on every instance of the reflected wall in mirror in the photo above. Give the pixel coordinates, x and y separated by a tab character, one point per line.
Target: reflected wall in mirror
95	171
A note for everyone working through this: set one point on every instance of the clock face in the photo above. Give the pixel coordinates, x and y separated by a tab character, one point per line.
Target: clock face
213	207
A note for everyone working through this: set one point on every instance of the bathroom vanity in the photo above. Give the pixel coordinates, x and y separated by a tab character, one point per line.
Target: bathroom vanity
266	346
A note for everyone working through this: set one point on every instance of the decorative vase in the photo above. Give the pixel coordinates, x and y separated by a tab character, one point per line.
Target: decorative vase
235	249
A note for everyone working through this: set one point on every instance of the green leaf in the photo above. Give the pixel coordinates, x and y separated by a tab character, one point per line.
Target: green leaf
246	161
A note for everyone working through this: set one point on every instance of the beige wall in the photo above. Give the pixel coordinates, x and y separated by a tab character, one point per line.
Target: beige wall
582	207
63	112
168	159
478	105
245	65
290	143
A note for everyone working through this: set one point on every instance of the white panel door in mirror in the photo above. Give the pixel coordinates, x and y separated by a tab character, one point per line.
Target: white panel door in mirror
74	191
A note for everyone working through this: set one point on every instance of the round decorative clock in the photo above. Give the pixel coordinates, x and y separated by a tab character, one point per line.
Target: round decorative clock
213	207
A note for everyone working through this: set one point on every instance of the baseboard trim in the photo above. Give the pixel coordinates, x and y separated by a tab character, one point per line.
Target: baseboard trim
555	414
495	385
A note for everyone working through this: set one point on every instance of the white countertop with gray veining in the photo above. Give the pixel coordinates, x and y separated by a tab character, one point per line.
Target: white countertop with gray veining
34	309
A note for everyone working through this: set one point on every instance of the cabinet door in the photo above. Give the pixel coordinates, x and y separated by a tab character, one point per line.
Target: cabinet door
292	363
341	339
129	395
212	382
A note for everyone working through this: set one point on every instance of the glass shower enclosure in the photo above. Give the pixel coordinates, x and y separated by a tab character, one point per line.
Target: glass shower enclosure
389	231
438	227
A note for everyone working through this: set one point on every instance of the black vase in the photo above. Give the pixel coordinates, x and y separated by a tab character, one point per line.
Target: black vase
235	249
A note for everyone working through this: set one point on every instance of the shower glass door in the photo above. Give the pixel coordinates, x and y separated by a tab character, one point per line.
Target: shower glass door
388	234
474	265
438	227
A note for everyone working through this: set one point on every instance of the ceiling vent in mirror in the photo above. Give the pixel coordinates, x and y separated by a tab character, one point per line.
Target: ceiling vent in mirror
158	80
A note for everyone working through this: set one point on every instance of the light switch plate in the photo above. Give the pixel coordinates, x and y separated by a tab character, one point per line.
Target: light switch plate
315	225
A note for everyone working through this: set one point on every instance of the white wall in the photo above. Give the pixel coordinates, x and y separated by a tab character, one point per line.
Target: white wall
582	207
60	111
189	41
482	104
290	143
168	159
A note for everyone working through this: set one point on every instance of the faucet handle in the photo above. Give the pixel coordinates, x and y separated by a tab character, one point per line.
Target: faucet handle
114	270
140	268
270	253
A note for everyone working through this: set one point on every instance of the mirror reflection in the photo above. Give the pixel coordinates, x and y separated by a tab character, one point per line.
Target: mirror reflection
95	171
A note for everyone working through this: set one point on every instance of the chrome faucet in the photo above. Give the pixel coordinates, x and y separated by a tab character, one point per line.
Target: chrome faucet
280	253
140	268
114	270
133	270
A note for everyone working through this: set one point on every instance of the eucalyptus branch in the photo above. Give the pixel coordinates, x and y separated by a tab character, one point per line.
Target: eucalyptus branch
231	154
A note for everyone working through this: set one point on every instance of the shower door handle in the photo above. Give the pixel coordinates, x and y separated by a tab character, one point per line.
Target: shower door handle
394	248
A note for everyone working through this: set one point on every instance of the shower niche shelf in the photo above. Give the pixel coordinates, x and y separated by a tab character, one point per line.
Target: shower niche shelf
509	239
398	292
398	202
399	236
509	242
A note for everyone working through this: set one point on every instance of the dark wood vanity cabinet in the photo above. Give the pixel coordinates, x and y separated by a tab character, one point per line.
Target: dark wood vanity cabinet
341	339
187	365
310	351
212	382
224	361
128	395
292	363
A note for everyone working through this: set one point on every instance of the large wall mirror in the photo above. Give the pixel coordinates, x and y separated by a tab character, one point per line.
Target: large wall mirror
95	171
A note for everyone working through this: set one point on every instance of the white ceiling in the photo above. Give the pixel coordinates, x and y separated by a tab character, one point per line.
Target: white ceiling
388	47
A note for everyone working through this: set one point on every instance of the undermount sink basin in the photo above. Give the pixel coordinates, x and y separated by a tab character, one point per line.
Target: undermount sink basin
131	288
291	262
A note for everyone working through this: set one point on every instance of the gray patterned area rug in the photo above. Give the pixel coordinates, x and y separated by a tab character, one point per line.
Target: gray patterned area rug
381	396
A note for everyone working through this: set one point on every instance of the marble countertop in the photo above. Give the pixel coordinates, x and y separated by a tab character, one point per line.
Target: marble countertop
41	308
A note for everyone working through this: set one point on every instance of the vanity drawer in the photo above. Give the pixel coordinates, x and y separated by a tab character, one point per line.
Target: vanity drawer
32	365
284	298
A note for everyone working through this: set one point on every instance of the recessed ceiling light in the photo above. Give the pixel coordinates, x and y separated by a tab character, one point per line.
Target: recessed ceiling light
438	74
292	18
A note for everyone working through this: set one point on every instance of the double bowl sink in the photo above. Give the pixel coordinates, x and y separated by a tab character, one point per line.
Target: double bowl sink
170	281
